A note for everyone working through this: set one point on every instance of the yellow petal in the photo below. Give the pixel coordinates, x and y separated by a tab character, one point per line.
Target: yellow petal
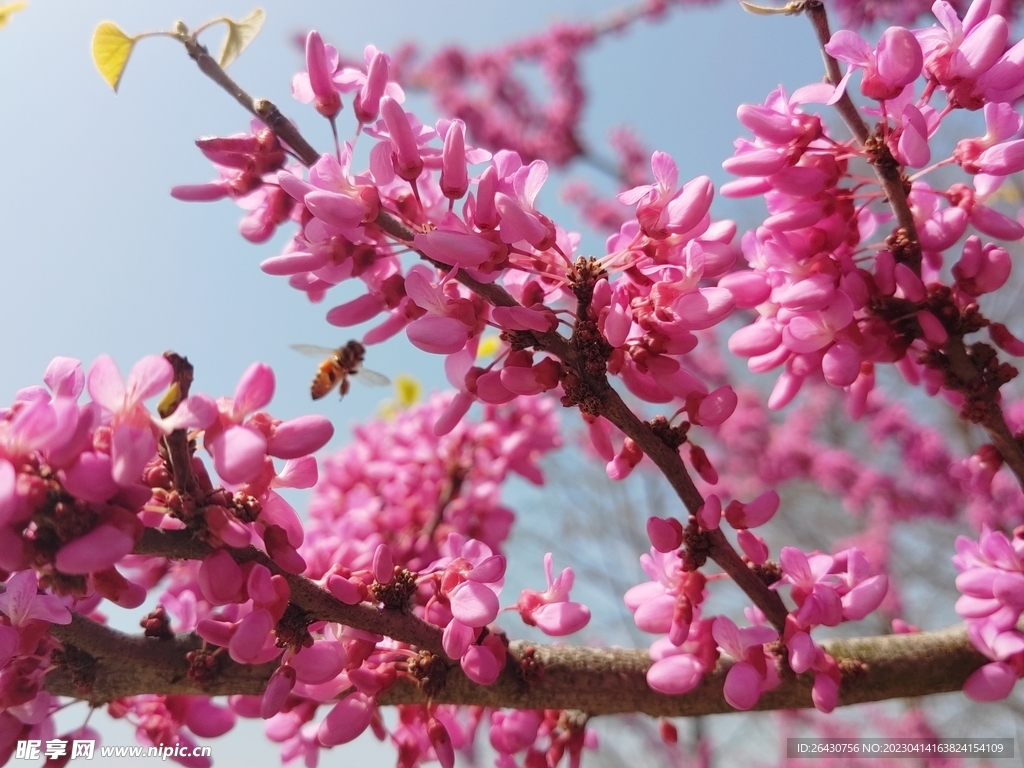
240	34
6	11
110	51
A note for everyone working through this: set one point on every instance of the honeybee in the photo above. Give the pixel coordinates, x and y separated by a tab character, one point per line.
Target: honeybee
341	364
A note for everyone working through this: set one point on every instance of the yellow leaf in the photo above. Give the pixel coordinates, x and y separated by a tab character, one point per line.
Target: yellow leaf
240	34
407	389
7	10
110	51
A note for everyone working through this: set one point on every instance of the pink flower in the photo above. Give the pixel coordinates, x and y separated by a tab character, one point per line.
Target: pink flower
968	58
520	220
678	668
134	441
134	429
515	730
895	63
663	210
405	150
991	682
753	514
22	603
316	85
551	611
346	720
114	536
666	534
749	676
372	85
472	582
483	663
669	602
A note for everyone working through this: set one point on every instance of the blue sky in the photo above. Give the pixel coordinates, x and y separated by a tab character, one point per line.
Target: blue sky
98	259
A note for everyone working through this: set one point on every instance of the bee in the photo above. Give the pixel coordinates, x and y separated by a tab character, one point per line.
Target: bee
341	364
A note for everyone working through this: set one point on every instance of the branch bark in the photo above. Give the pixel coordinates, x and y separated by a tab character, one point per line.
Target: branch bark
593	680
311	598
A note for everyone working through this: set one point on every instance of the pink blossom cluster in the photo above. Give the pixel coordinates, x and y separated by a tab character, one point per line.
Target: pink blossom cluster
671	604
830	300
647	295
392	521
991	581
543	738
80	482
494	93
410	516
401	484
827	590
245	162
826	303
25	648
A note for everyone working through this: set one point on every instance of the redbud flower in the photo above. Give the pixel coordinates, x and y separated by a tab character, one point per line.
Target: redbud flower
405	150
748	677
346	720
454	173
321	62
134	429
662	210
367	101
895	62
666	534
441	742
483	663
22	603
515	730
677	669
551	611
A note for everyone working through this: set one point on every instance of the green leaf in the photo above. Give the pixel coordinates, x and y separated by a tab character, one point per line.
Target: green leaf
6	11
240	34
110	51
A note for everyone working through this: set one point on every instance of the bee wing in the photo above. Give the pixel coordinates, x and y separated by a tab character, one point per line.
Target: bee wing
372	378
314	350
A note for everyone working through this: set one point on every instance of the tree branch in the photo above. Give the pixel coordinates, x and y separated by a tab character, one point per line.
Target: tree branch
613	408
259	108
890	177
318	602
884	164
593	680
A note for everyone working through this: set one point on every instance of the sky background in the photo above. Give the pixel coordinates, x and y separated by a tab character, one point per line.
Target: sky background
97	258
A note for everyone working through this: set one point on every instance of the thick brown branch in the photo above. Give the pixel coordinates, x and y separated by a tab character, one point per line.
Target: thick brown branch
128	665
593	680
